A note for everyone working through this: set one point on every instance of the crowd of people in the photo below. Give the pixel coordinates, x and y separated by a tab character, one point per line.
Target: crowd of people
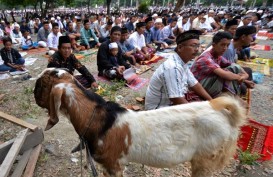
123	40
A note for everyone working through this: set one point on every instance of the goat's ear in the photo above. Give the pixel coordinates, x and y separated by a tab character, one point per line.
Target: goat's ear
55	102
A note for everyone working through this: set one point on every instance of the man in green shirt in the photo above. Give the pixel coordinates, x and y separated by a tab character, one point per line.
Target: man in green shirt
86	34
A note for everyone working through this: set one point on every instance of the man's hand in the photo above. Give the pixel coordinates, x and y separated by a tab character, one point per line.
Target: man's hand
98	44
88	47
120	70
94	85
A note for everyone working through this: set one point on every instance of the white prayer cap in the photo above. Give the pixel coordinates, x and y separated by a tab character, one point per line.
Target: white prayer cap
211	11
154	15
260	11
52	18
249	11
113	45
158	20
16	25
58	18
221	12
255	10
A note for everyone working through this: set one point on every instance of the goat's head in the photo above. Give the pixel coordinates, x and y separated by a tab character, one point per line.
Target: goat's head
43	87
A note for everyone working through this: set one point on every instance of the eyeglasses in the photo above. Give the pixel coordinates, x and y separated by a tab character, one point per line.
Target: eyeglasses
195	46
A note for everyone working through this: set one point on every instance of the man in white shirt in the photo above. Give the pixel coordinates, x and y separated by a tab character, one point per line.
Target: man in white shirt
170	83
53	39
137	39
210	20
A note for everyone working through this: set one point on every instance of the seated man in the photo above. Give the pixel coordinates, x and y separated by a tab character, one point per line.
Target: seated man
63	58
127	49
13	61
74	36
43	34
166	34
214	72
171	81
86	34
105	66
137	39
53	39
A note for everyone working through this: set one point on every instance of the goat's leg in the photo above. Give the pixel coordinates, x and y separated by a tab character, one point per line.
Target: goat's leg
201	168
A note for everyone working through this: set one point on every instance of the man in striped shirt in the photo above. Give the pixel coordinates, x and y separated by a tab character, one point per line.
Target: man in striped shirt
170	83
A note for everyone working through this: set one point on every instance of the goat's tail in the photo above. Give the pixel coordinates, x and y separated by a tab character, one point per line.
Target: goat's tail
232	108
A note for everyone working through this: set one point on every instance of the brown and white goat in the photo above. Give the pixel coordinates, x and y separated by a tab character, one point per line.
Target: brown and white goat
204	133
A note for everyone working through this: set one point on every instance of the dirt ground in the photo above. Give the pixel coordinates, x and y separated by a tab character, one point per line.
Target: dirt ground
55	158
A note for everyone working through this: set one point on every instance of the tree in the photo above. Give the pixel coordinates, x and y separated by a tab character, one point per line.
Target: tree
178	5
108	2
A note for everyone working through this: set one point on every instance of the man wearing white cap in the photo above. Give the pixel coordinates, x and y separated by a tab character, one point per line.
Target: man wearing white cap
155	32
210	20
16	34
154	16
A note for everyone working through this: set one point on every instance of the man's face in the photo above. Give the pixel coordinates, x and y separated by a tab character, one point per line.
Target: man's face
190	47
8	45
115	36
246	21
141	30
117	21
133	19
158	25
124	37
70	26
79	24
46	26
247	39
220	47
87	25
65	50
150	24
232	29
55	30
185	20
173	24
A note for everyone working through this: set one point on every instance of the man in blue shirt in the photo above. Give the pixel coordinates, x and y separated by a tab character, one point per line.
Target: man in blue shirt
166	34
130	25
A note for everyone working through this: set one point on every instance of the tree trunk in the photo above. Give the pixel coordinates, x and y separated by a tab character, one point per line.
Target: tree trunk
108	3
178	5
264	3
12	16
88	6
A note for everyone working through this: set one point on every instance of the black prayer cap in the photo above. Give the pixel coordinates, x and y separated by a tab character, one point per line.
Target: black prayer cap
191	34
245	30
231	23
149	19
64	39
140	24
85	21
55	24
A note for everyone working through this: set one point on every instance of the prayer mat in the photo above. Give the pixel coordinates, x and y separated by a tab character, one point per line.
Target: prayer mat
257	137
35	51
154	59
79	56
261	47
142	69
256	67
267	62
133	81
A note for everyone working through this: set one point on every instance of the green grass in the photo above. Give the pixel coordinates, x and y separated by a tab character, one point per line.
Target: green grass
248	158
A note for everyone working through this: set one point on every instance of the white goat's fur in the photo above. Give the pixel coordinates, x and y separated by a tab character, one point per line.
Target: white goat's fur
172	135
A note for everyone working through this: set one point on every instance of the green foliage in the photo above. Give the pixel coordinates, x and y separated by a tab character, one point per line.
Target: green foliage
248	158
144	7
109	91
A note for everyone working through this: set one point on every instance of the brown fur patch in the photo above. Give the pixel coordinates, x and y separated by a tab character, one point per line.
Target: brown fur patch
113	148
217	104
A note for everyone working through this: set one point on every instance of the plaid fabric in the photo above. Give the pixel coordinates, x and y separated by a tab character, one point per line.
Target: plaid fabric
215	85
205	64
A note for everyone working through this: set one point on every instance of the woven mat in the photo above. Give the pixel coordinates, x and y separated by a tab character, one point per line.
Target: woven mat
262	68
35	51
257	138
